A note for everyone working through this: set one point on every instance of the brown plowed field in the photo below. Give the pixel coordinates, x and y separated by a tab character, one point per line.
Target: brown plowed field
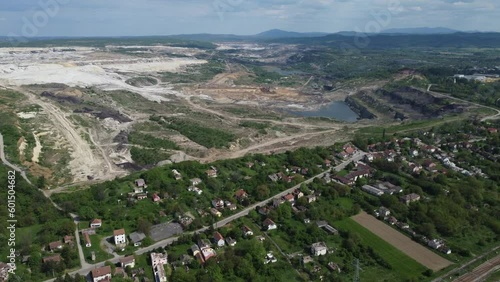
414	250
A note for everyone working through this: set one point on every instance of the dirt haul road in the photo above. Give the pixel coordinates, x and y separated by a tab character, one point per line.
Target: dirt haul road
84	161
414	250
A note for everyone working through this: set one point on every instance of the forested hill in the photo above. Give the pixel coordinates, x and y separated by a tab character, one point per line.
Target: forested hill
383	41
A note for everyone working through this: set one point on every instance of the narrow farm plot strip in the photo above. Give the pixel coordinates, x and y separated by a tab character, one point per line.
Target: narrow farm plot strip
414	250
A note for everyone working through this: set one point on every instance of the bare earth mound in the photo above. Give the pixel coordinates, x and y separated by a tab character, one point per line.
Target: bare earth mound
414	250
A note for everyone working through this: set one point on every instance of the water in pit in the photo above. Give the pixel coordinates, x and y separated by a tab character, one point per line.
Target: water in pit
337	110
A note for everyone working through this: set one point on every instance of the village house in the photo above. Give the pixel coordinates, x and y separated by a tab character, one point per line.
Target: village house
241	195
96	223
369	158
289	198
218	239
206	251
392	220
142	196
250	164
195	189
383	212
435	243
388	188
140	183
54	258
86	237
230	205
277	202
260	238
215	212
177	174
268	224
119	236
372	190
264	210
274	177
246	231
218	203
212	173
402	225
156	198
334	267
136	238
311	198
298	194
327	227
127	262
319	249
231	242
195	250
414	168
158	261
195	181
69	239
185	220
328	163
327	178
429	165
410	198
101	274
270	258
55	246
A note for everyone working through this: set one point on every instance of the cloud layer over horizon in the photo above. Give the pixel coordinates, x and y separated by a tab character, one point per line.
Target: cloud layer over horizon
164	17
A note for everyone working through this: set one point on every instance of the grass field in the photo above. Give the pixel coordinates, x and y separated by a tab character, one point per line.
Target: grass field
404	267
495	277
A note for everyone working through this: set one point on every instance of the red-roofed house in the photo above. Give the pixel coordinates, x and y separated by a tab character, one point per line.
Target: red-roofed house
101	274
54	246
156	198
55	258
241	195
218	239
290	198
119	236
86	237
96	223
268	224
246	231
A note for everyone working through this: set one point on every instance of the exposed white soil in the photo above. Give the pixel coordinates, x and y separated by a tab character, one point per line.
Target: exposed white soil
87	67
27	115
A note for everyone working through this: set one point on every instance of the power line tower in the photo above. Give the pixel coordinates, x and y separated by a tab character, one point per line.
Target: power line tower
356	270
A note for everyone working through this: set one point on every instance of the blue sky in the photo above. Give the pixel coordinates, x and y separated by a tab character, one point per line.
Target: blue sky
163	17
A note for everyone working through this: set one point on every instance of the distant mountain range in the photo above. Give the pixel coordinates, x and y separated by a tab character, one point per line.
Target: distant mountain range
278	33
274	34
391	38
420	30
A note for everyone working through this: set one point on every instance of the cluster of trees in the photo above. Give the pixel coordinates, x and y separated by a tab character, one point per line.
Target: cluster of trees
205	136
31	240
146	157
149	141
